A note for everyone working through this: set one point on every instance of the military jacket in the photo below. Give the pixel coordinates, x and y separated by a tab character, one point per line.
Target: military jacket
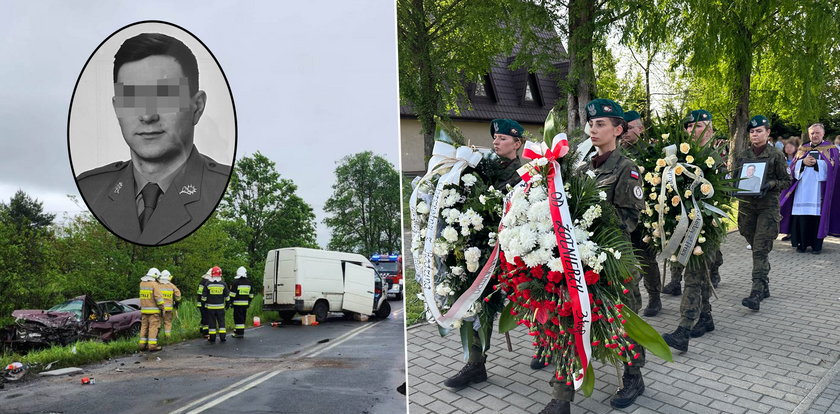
776	176
193	194
619	177
241	292
216	295
509	175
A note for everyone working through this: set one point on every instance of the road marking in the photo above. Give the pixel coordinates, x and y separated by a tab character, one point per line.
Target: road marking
229	388
230	392
343	339
219	400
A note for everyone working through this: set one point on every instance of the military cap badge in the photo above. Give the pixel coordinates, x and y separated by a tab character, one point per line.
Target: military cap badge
591	109
188	189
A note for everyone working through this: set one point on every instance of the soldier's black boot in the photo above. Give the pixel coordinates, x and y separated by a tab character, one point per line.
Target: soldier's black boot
556	406
633	385
715	278
536	361
754	300
678	339
473	372
654	305
672	288
766	292
704	324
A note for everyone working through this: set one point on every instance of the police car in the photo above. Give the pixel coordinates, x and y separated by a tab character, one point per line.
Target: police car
390	267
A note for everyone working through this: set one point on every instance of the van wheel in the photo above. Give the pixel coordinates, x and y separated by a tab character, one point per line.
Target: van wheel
384	311
287	315
320	310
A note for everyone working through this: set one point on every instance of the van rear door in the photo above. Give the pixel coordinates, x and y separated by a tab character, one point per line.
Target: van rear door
358	289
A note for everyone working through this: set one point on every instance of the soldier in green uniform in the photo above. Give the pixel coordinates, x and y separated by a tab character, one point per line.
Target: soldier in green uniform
759	216
507	140
647	256
699	124
168	188
619	177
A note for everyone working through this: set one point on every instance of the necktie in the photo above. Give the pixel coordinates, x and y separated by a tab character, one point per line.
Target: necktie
150	193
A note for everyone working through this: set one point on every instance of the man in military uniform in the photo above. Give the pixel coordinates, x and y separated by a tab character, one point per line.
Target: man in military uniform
650	268
507	140
619	177
759	216
204	328
168	188
216	298
171	300
241	294
151	306
699	124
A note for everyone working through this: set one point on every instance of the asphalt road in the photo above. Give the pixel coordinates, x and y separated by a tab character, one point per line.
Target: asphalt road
341	365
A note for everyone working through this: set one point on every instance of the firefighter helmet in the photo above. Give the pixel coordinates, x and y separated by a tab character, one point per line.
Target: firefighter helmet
165	275
153	272
216	271
241	272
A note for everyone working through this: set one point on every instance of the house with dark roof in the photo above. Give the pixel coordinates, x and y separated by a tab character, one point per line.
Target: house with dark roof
518	94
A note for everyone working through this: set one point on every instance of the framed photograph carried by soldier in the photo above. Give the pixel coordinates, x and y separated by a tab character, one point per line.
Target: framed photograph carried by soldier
751	178
152	133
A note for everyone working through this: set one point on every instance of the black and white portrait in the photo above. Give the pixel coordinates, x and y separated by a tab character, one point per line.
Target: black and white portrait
152	133
752	176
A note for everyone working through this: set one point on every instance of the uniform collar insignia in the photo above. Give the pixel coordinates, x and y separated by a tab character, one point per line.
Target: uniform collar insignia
188	189
118	187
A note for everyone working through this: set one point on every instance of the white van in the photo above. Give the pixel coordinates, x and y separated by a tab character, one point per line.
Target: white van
300	280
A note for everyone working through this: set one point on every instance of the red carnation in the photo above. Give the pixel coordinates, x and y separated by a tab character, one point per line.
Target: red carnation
537	272
555	277
591	277
566	309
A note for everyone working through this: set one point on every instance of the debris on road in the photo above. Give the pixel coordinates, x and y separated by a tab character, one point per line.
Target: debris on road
62	371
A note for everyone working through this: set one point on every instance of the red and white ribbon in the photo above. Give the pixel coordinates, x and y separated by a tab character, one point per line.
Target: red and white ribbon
566	244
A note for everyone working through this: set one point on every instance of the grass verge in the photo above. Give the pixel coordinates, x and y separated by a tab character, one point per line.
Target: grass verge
184	327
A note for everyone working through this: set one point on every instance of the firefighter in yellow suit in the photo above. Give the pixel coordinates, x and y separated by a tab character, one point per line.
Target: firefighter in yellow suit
171	300
151	306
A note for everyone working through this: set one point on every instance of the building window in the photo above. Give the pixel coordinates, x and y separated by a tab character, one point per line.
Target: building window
529	97
480	89
532	91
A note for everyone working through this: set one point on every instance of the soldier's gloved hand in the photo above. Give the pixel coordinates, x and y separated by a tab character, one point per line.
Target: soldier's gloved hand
767	186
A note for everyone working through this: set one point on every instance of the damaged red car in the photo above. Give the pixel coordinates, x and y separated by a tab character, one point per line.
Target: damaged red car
76	319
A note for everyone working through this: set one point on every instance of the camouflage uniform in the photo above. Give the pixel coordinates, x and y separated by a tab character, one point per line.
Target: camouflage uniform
759	216
619	177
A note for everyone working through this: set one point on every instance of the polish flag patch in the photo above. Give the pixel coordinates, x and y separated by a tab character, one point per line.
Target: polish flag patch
634	174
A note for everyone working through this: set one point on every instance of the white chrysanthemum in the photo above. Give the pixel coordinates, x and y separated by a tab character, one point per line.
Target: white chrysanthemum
441	248
701	240
646	239
537	257
602	195
468	180
456	324
539	211
442	289
482	199
581	235
542	161
548	241
617	254
450	234
537	194
472	255
422	207
457	270
555	264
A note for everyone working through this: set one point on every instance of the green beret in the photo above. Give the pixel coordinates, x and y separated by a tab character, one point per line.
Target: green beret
696	116
507	127
757	121
603	108
631	116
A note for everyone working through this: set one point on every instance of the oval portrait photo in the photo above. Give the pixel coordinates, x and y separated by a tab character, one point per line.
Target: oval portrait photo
152	133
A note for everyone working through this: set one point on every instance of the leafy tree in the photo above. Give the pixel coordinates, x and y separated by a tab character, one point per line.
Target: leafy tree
266	212
23	211
445	43
365	205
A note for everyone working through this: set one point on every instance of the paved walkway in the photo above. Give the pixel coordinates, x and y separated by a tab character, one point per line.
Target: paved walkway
783	359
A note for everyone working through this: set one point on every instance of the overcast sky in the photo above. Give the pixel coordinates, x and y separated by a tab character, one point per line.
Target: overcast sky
312	82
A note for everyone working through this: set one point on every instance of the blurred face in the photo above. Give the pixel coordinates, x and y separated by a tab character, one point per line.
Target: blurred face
790	149
816	133
750	170
837	141
634	131
603	134
759	135
155	111
701	130
506	146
